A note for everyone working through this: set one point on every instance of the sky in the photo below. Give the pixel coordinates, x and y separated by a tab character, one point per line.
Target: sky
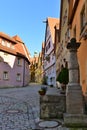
25	19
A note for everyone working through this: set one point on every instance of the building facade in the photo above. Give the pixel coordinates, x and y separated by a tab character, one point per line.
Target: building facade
64	34
39	69
56	48
49	54
14	62
78	29
73	24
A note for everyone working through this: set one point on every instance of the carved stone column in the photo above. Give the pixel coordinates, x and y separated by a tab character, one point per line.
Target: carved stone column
74	97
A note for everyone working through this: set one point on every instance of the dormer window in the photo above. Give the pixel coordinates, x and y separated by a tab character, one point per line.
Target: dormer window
3	42
12	46
8	44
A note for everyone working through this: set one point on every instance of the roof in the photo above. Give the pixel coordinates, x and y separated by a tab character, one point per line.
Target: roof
17	38
7	37
52	22
20	48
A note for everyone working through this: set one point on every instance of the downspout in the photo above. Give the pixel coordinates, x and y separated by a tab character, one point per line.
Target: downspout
24	74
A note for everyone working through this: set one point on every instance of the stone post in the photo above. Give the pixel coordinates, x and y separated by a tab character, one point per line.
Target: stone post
74	97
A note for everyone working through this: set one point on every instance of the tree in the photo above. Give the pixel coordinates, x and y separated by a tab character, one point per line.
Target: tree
63	76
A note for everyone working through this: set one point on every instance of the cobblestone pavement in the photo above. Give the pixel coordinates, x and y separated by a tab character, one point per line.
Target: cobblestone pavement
19	108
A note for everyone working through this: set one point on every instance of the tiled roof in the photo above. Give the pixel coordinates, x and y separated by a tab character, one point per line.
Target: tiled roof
20	48
8	50
52	22
5	36
17	38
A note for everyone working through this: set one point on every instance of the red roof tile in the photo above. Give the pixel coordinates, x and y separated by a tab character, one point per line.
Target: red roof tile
7	37
20	48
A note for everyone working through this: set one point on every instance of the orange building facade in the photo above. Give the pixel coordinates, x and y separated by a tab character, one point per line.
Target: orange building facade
73	24
78	29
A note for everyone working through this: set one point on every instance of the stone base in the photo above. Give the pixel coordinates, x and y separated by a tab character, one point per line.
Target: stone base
74	99
52	105
75	120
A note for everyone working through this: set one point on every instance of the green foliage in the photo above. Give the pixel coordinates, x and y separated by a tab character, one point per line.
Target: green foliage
47	58
44	80
63	76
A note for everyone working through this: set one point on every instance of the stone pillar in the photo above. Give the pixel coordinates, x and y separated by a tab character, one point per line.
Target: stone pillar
74	97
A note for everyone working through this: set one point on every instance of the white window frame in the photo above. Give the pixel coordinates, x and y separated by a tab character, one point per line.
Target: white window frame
18	77
5	75
19	61
8	44
3	42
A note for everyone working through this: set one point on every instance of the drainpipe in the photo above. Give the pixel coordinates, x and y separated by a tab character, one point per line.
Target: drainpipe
24	74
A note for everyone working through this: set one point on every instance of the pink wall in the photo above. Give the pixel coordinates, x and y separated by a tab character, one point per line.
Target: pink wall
23	69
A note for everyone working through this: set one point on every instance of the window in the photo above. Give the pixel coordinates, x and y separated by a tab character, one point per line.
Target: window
8	44
18	77
12	46
5	53
19	61
82	18
46	48
49	44
3	42
5	75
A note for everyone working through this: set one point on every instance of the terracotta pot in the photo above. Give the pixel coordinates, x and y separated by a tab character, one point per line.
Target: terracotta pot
41	92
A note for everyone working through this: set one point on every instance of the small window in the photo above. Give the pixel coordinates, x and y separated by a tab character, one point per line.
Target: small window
5	53
19	61
49	45
12	46
5	75
8	44
3	42
18	77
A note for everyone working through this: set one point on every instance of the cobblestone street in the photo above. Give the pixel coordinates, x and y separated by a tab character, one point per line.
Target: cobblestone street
19	108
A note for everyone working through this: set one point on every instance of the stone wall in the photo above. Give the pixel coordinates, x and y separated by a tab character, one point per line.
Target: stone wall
52	106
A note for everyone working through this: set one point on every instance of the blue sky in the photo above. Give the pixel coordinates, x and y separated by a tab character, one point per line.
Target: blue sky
25	18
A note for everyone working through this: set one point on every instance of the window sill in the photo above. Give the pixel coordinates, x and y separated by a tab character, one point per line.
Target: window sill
19	65
5	79
18	80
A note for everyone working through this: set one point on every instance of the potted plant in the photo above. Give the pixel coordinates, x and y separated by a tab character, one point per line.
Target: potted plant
42	91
